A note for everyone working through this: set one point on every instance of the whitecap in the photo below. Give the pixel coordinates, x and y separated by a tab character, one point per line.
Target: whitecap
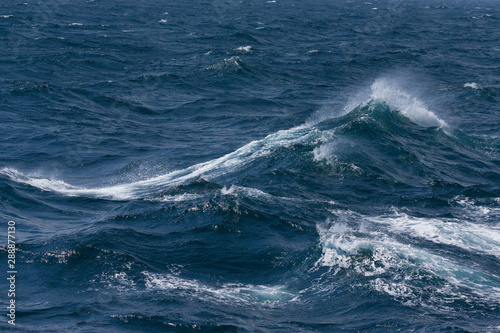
468	236
389	92
472	85
145	188
352	245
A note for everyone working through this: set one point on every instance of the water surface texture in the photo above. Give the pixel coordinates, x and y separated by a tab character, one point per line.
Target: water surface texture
251	166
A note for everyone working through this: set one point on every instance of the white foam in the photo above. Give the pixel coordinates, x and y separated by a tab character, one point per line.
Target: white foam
349	247
162	21
75	24
248	191
229	292
477	212
119	281
180	197
389	91
472	85
6	16
144	188
469	236
244	49
228	63
326	152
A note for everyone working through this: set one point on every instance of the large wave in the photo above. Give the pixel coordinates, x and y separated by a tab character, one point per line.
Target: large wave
392	134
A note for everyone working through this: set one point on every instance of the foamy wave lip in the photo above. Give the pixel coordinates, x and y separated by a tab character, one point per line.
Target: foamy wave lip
224	293
41	183
245	49
208	170
59	186
388	91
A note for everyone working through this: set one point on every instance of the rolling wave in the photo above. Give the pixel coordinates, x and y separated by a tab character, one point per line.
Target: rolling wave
392	135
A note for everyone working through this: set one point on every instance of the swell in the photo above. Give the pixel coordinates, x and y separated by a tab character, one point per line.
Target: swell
392	136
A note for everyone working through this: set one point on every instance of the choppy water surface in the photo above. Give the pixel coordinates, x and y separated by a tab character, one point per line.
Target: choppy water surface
266	166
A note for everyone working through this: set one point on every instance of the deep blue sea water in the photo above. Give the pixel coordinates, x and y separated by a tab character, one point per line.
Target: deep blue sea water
251	166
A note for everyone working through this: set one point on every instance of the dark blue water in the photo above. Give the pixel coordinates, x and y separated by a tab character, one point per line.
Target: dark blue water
265	166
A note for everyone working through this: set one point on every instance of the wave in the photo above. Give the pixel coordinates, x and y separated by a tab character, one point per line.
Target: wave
232	64
386	136
352	244
471	237
207	170
400	100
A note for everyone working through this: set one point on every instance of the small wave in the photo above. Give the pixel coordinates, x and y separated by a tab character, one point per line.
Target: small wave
75	24
227	65
145	188
472	85
6	16
245	49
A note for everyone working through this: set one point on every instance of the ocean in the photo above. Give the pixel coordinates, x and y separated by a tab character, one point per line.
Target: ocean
250	166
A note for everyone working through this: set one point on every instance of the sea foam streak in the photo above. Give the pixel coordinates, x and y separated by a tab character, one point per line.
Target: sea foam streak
468	236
